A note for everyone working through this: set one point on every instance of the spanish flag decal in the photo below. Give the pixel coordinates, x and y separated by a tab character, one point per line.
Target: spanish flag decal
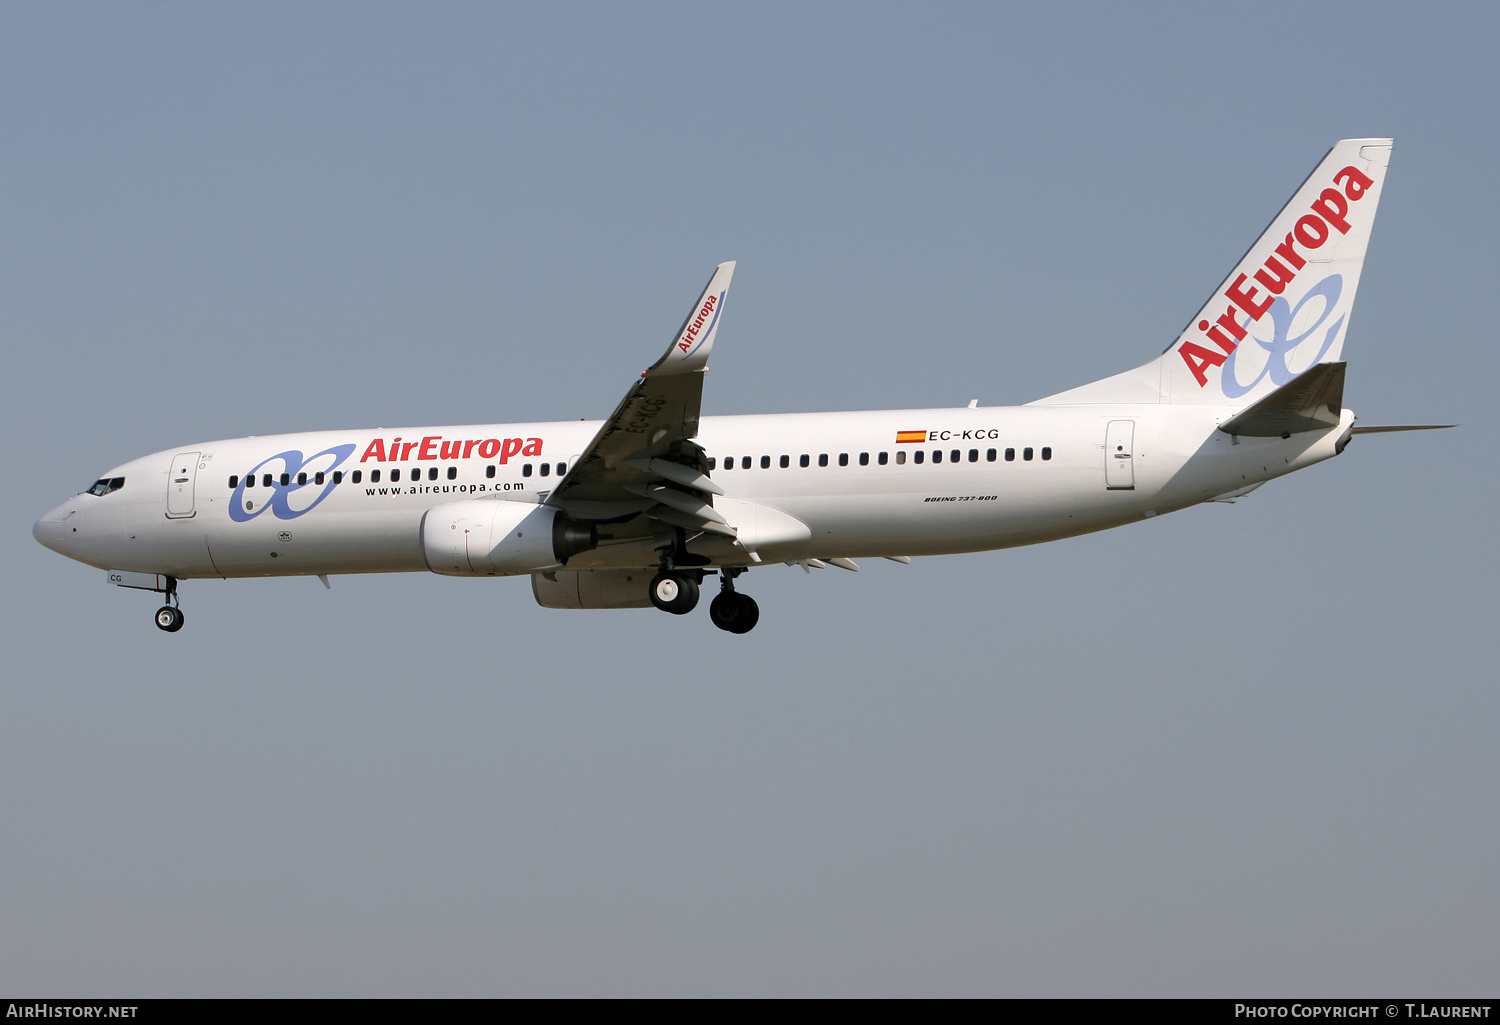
902	437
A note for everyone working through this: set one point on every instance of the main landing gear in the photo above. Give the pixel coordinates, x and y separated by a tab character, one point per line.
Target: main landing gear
677	590
730	610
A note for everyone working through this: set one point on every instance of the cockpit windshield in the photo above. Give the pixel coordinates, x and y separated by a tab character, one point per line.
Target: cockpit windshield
104	485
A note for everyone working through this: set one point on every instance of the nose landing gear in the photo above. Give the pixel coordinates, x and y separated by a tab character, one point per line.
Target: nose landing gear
169	618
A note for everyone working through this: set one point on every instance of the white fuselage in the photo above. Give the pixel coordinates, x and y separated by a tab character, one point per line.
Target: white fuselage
190	520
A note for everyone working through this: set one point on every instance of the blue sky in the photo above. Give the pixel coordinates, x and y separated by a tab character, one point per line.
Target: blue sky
1241	750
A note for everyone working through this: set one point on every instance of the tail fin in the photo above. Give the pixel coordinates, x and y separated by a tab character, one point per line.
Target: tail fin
1285	306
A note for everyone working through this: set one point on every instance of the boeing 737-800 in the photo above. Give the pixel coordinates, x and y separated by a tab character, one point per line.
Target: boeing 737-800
637	509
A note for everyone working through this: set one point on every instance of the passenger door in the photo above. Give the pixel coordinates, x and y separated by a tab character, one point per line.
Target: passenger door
181	479
1119	465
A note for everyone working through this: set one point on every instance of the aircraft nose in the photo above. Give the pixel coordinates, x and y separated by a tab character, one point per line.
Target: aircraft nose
51	531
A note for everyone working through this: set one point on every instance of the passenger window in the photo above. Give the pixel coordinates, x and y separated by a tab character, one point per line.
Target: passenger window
901	457
338	476
843	458
431	473
356	475
973	455
1010	455
918	456
765	462
713	463
786	461
453	473
395	475
301	479
286	479
374	476
823	459
864	459
546	469
526	470
1046	453
1026	454
562	469
881	459
803	460
265	480
937	455
318	477
990	455
489	471
728	463
745	463
234	481
955	456
249	480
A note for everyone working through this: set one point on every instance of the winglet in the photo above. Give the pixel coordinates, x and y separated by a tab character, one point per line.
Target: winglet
695	338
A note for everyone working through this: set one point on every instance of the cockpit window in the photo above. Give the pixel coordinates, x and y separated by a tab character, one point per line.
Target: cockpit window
104	485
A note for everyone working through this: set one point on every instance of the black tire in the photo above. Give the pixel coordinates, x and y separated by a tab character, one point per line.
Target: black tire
724	610
674	593
749	614
169	619
734	612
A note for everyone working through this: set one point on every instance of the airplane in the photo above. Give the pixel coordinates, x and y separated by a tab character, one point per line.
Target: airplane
638	509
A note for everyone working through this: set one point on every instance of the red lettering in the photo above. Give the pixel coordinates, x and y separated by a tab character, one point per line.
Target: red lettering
1287	253
1356	184
1278	279
533	447
429	447
1218	336
512	447
1332	206
1311	231
405	450
1245	299
469	447
1228	320
376	451
1205	358
489	448
451	449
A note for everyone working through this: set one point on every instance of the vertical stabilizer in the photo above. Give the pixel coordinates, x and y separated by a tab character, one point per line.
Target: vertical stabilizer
1285	306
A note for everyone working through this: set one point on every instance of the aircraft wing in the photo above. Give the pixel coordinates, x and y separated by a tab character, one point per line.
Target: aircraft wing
644	460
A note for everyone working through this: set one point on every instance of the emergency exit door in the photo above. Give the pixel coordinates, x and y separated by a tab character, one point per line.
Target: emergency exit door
181	478
1119	462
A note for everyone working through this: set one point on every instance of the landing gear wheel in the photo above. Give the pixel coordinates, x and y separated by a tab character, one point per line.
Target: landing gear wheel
169	619
734	612
674	593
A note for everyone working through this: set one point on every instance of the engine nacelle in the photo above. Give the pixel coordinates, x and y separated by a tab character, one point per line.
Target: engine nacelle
593	589
499	538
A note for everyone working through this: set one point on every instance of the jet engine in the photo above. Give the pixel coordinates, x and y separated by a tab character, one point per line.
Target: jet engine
499	538
593	589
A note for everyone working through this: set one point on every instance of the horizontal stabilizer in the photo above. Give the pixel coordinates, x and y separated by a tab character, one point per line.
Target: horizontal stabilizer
1388	428
1313	401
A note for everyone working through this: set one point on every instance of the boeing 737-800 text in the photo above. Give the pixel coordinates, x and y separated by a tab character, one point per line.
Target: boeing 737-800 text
637	509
